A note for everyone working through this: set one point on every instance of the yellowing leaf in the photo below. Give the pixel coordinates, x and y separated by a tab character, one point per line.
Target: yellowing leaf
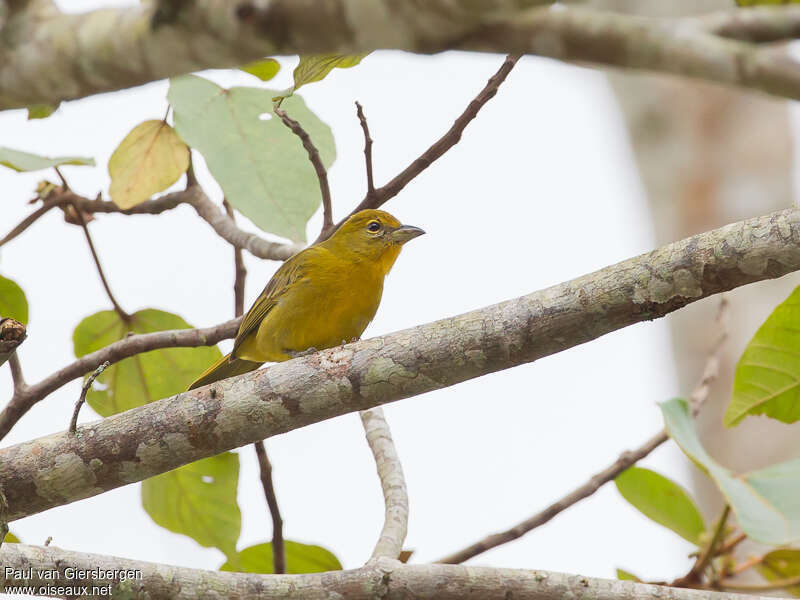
198	500
782	564
150	159
264	69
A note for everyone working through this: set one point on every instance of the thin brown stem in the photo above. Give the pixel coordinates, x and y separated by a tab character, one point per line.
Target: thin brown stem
278	549
625	460
367	151
17	378
122	314
748	564
316	161
240	275
388	191
731	544
695	574
73	424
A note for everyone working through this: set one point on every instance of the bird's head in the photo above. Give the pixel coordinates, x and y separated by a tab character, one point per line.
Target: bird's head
373	235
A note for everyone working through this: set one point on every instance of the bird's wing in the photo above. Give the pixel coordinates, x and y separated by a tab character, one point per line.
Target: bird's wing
290	273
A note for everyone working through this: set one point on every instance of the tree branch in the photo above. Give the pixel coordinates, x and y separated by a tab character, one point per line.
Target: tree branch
319	168
383	579
278	548
393	483
168	433
49	57
626	459
240	271
12	334
367	152
23	399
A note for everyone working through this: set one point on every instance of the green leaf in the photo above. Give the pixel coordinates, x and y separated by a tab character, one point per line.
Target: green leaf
264	69
662	501
781	564
300	558
198	500
150	159
764	2
41	111
23	161
315	67
766	502
145	377
767	378
13	304
260	164
11	539
626	576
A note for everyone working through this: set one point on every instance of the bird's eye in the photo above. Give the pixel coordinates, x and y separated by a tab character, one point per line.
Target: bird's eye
374	226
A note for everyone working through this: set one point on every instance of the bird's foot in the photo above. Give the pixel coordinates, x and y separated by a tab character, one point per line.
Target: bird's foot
299	353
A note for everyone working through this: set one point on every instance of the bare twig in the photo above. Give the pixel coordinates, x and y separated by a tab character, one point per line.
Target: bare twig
122	314
278	548
388	191
23	399
390	472
695	574
319	168
625	460
17	377
88	384
729	545
12	334
367	152
240	275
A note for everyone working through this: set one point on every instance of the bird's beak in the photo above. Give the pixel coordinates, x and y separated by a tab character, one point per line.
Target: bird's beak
405	233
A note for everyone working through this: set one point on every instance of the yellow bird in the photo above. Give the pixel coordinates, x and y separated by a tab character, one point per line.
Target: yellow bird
324	296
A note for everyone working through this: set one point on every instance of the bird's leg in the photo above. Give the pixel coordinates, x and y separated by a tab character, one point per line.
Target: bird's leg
299	353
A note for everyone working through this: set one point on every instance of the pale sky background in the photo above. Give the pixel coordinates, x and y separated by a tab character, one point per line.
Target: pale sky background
540	190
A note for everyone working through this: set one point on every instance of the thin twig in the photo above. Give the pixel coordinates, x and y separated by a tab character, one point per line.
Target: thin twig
747	564
367	152
390	472
240	275
17	378
278	549
625	460
695	574
26	396
122	314
316	161
88	384
732	543
388	191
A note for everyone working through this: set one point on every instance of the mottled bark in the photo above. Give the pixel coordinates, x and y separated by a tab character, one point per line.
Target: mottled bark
163	435
393	484
47	57
380	580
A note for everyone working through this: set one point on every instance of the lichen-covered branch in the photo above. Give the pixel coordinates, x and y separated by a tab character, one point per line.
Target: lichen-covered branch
47	57
379	580
168	433
393	483
12	334
26	396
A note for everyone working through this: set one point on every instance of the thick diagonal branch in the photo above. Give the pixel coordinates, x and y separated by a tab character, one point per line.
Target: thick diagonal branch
393	483
380	580
166	434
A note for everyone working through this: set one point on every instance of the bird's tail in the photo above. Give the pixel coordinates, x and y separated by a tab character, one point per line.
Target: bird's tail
222	369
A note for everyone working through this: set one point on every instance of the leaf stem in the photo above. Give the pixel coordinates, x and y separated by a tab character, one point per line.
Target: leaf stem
73	424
